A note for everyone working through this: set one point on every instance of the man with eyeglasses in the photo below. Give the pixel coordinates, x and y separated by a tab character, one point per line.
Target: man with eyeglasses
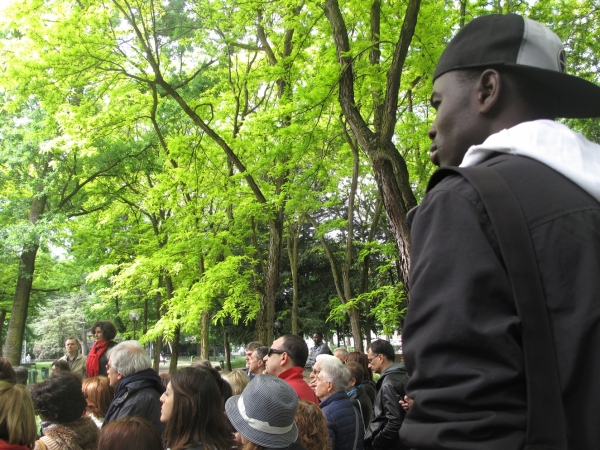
388	415
286	359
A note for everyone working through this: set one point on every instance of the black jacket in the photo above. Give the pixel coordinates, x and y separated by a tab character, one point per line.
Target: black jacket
361	400
138	395
388	415
462	337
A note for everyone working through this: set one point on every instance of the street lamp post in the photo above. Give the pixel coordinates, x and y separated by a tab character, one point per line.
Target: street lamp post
134	316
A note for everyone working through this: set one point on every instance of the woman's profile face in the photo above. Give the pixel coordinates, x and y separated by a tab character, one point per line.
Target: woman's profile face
167	404
99	335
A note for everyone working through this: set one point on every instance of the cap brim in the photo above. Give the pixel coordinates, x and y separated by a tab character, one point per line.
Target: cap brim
576	98
258	437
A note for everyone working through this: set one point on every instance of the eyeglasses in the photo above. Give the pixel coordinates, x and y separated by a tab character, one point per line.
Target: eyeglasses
276	351
374	356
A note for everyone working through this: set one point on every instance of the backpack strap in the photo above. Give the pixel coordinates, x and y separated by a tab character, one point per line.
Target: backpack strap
546	427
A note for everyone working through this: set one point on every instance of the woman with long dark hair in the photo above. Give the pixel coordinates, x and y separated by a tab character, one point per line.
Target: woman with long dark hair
192	410
104	332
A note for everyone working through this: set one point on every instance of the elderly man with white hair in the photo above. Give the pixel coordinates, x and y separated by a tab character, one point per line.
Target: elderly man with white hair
344	422
137	386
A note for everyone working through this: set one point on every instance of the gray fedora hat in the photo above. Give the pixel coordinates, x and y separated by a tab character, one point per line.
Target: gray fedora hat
265	413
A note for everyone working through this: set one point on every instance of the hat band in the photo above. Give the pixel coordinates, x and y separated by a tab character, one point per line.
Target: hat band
259	424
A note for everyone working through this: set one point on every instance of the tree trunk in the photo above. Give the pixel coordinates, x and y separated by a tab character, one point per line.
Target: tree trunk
2	319
266	314
175	350
292	247
18	316
204	328
227	351
391	173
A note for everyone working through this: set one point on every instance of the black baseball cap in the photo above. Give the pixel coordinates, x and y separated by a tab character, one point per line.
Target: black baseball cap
525	47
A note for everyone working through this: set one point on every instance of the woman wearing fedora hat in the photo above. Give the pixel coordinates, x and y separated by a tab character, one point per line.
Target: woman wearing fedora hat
264	414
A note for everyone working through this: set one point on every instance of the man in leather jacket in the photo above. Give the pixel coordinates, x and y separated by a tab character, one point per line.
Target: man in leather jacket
387	418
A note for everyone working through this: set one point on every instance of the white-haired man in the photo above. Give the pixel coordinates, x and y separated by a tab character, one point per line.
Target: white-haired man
344	422
316	369
137	386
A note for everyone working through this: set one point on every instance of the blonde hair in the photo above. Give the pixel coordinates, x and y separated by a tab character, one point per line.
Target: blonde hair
238	381
17	416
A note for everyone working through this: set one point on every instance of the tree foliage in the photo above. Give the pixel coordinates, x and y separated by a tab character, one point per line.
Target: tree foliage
226	164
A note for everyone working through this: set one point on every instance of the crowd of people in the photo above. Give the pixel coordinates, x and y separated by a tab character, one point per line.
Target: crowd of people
269	405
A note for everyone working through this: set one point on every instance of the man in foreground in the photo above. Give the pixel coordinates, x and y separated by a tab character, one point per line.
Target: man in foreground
286	359
72	356
497	88
137	386
387	416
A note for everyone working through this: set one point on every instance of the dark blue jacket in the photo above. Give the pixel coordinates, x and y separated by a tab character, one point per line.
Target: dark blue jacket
342	419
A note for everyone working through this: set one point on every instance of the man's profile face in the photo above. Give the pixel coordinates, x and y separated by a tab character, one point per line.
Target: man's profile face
255	363
314	374
71	346
375	360
248	358
455	127
322	387
273	359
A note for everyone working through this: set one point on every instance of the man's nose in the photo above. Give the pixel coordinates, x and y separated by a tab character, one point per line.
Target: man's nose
432	132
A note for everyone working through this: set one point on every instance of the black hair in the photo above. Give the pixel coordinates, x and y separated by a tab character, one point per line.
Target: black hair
62	365
318	333
224	386
22	374
540	99
296	349
108	329
383	347
60	398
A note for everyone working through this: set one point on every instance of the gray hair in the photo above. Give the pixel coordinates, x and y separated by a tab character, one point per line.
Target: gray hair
332	370
129	357
261	352
342	351
324	357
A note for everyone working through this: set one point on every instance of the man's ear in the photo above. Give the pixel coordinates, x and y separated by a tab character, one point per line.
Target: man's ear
489	90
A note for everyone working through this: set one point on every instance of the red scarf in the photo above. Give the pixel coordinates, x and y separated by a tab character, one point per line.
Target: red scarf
92	365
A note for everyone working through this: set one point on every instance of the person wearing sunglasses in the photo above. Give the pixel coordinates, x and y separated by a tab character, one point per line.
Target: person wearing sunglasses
286	359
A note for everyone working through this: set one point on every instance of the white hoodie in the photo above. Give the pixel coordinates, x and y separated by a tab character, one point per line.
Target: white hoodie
551	143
